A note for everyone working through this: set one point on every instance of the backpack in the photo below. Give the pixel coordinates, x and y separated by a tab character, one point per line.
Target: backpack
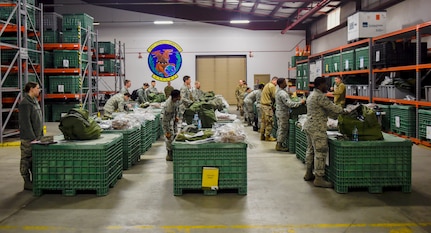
76	125
134	94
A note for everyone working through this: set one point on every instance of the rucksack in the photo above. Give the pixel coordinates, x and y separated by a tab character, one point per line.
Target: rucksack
134	94
77	125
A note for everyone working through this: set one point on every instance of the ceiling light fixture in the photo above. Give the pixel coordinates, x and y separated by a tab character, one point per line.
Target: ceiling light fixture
239	21
96	23
164	22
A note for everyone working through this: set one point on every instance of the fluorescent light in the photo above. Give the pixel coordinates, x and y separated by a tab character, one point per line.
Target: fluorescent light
96	23
163	22
239	21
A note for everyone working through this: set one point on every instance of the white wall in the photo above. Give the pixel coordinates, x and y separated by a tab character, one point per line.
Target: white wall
399	16
272	50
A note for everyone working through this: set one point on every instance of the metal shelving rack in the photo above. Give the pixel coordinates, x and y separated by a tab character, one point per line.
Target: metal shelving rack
24	60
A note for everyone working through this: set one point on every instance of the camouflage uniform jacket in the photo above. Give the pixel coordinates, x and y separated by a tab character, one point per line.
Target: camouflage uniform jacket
170	112
124	90
283	102
151	90
319	108
197	94
115	103
252	97
239	91
186	96
142	96
168	90
30	119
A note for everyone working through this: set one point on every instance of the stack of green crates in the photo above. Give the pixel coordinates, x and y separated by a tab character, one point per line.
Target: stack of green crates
51	37
48	59
290	140
424	123
294	59
403	120
70	166
69	59
348	62
6	11
229	158
300	143
146	139
66	84
131	145
73	36
370	164
156	127
7	55
362	58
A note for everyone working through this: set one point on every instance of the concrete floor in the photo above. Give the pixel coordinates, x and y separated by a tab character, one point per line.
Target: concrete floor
278	201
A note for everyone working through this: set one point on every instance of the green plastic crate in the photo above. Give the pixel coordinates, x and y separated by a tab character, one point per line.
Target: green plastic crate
52	21
72	21
69	59
106	47
229	158
299	70
299	83
348	60
131	145
146	139
294	59
362	59
12	80
74	36
305	83
300	143
424	123
386	119
403	120
51	37
370	164
60	109
66	84
295	112
327	64
108	66
336	63
48	59
6	11
71	166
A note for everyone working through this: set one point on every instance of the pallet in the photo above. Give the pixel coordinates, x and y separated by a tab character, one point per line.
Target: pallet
181	191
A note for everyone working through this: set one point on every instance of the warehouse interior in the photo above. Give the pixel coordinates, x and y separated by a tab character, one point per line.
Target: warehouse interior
290	39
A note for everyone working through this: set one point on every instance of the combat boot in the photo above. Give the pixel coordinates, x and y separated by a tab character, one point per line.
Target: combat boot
269	138
279	147
320	182
262	137
309	176
28	185
169	156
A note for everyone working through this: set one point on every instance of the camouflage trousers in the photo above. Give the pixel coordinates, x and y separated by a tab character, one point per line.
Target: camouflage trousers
283	126
317	151
249	113
267	114
25	165
168	141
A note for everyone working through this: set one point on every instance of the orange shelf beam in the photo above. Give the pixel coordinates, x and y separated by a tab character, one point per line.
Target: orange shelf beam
64	96
107	56
106	74
403	68
406	102
65	46
11	28
62	71
345	73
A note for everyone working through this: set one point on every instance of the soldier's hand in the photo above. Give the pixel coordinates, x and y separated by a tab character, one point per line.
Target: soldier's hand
176	119
303	101
168	135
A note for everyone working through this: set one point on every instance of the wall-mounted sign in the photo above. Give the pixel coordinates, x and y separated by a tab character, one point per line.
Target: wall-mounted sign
164	60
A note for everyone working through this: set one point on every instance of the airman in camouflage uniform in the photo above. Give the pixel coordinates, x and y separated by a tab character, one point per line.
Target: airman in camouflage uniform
319	108
142	94
125	89
239	95
267	101
197	92
186	96
31	129
115	104
151	89
169	121
249	101
283	103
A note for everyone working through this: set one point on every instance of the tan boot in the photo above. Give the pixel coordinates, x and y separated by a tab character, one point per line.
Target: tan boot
169	156
270	139
28	185
309	176
262	137
322	183
279	147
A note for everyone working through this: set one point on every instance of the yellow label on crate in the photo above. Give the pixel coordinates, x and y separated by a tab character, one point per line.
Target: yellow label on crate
210	178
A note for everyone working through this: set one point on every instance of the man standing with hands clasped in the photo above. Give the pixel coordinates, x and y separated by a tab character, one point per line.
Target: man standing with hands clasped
339	92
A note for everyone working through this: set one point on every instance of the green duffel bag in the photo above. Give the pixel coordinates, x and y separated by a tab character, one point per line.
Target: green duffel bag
77	125
207	117
368	127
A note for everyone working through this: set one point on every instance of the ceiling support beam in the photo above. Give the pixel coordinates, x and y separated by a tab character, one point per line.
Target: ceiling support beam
276	8
319	6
